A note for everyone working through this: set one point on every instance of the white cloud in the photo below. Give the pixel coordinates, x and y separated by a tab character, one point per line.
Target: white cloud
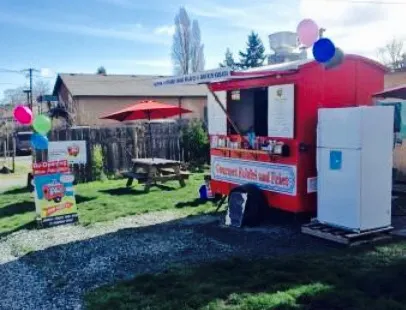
159	66
359	26
168	30
157	63
260	16
129	32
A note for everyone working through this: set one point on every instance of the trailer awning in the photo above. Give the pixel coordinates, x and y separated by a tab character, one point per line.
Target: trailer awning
226	74
398	92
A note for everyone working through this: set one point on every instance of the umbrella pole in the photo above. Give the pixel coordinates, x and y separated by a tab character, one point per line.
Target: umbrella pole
150	135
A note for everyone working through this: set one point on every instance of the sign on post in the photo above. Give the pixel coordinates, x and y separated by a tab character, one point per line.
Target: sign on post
72	151
196	78
55	202
47	98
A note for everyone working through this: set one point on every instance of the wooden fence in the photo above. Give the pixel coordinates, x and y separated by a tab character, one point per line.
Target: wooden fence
120	144
7	153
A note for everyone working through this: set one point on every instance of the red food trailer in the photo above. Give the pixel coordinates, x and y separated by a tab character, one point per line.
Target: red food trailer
275	108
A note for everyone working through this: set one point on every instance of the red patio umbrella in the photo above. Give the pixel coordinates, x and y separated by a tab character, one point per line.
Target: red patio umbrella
147	110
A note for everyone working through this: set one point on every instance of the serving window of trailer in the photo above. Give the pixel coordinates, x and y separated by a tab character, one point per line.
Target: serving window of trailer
248	108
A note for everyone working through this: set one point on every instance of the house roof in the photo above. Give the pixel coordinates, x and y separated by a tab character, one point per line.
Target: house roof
398	92
123	85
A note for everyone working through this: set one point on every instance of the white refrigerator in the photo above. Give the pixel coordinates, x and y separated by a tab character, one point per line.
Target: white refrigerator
354	166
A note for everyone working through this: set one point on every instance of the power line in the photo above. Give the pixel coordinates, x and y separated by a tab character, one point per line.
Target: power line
44	77
10	71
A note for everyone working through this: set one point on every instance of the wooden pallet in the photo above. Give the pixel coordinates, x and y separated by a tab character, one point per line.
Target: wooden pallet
346	237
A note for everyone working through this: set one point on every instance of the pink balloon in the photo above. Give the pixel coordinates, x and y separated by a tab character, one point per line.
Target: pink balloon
23	115
308	32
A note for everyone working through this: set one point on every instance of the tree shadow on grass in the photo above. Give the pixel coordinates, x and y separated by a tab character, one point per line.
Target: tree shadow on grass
123	191
16	191
17	208
193	203
82	199
129	191
165	188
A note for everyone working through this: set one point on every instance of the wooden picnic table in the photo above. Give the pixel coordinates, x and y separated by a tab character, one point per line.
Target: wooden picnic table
152	170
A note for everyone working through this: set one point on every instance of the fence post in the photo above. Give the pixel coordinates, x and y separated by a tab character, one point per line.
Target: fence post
5	151
135	142
14	154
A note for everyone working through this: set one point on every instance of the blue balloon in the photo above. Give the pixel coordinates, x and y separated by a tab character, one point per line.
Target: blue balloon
39	142
323	50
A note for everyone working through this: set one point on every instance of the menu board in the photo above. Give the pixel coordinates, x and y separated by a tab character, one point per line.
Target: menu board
281	111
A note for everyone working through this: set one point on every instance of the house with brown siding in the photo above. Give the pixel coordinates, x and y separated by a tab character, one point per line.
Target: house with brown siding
87	97
394	79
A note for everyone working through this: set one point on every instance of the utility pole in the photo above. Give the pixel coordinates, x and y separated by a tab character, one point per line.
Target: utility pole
30	71
27	91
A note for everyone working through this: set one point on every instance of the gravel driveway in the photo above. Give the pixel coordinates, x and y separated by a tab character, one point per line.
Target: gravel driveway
51	269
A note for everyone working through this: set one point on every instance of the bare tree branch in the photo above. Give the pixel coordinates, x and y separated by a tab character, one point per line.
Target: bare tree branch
393	55
187	49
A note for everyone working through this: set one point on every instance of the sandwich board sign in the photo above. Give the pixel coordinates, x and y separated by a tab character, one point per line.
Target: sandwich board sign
55	202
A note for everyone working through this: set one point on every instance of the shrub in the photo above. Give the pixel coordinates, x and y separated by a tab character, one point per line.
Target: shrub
98	164
195	142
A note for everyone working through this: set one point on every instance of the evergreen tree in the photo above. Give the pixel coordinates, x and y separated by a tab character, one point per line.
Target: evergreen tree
101	70
229	61
255	52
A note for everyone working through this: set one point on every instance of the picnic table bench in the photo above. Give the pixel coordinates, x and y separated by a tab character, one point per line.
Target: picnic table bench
149	171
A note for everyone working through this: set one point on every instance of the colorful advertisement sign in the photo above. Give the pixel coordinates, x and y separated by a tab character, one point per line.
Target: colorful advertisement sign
281	111
55	202
267	176
73	151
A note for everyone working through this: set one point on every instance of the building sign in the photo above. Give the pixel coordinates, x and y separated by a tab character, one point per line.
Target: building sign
55	202
47	98
196	78
281	111
270	177
312	185
73	151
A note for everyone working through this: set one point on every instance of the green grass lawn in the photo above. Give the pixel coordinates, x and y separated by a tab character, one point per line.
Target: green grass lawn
369	279
103	201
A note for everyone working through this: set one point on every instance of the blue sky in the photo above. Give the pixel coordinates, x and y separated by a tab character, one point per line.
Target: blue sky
134	36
